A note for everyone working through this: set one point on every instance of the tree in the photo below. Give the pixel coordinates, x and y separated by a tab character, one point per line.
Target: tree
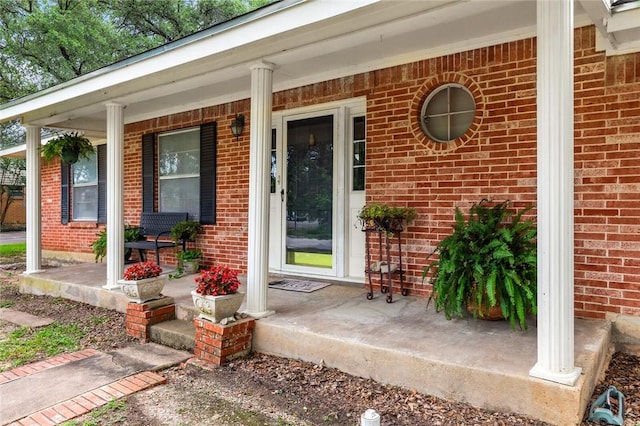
46	42
166	20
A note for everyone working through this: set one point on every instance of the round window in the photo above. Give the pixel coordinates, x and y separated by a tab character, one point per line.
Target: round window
447	112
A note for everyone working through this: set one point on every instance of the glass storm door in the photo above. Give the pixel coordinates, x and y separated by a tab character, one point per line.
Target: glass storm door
309	193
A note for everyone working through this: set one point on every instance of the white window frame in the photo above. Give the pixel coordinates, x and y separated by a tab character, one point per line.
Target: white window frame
194	215
74	186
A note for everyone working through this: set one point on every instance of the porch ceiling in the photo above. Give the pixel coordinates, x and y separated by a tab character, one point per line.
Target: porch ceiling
308	41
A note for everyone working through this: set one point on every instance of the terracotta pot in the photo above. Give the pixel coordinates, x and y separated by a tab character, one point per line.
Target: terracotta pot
486	312
141	291
216	308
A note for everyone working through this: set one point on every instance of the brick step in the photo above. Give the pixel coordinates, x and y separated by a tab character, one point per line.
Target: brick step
177	334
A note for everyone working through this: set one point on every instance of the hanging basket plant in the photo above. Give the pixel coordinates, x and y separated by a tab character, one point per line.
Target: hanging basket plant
68	147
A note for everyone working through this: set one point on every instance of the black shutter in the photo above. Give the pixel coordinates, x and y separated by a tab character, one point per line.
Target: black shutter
148	169
208	174
65	172
102	183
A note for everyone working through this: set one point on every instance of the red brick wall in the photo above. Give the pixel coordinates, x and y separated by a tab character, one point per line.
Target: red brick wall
75	237
496	160
607	181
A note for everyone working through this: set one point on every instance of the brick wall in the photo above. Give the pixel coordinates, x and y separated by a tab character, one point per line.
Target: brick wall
16	213
217	344
496	160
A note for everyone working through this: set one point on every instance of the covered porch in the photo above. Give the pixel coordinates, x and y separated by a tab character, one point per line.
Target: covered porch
403	343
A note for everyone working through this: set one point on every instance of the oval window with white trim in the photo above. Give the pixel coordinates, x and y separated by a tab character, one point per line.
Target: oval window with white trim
447	113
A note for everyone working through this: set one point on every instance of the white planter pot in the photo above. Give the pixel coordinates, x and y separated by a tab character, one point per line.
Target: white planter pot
216	308
141	291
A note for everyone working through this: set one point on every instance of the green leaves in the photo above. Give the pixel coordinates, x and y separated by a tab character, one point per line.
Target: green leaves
43	43
490	258
25	344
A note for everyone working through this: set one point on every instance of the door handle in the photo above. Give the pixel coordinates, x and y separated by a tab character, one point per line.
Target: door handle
282	195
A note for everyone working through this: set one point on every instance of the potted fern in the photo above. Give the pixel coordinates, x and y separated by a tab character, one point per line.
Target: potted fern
489	261
99	246
69	147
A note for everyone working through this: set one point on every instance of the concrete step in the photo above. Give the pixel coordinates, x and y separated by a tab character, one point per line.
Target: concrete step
177	334
186	311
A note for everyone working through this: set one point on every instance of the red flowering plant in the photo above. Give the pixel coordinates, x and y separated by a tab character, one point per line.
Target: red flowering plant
142	270
217	281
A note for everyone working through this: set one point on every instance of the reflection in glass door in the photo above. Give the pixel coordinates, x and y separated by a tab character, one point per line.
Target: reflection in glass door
309	192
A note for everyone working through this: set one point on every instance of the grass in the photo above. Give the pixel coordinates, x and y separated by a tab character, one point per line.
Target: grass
26	345
14	249
111	413
318	260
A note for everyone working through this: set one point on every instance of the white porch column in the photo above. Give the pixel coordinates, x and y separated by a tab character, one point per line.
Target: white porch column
34	221
555	193
115	197
259	178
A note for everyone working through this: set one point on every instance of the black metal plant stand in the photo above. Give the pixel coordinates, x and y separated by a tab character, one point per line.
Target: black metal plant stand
384	267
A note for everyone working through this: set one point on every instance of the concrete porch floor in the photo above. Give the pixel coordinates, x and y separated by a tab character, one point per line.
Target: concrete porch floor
482	363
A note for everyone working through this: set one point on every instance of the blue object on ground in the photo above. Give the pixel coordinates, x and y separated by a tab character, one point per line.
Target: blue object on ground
601	409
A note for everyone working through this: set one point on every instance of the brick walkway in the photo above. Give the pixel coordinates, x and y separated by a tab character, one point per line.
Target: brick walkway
85	402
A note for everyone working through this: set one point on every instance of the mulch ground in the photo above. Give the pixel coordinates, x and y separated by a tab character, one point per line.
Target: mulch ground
265	390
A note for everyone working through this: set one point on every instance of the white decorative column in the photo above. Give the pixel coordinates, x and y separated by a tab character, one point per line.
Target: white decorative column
259	178
555	194
34	221
115	196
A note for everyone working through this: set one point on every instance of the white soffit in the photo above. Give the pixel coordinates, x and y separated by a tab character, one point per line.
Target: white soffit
618	30
309	41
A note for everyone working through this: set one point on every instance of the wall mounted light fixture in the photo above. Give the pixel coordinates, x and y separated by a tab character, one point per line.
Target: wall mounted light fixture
237	125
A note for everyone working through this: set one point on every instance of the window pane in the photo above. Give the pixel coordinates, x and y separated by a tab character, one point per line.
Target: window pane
85	171
358	128
439	103
359	146
461	100
180	153
358	179
85	188
439	127
181	195
358	153
460	123
179	168
85	202
274	161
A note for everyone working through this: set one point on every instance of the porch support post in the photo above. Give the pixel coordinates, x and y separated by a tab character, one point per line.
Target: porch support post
34	222
555	194
115	197
259	177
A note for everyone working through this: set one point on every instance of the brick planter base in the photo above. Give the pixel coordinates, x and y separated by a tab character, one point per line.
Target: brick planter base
218	344
141	316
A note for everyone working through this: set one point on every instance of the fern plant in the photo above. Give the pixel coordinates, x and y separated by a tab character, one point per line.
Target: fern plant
99	246
69	147
489	260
